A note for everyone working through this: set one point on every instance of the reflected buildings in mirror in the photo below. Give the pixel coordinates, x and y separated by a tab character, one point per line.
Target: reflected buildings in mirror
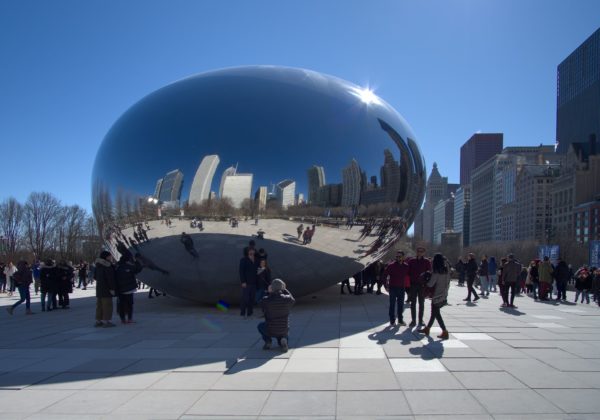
357	142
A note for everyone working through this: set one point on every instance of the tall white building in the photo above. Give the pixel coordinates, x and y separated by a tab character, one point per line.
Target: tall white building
316	179
203	179
227	172
237	187
260	196
285	192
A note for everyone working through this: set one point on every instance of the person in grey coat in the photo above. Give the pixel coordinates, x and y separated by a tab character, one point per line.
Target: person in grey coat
440	283
276	307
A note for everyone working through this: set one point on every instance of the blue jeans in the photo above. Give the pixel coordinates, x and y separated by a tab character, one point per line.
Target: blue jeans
262	329
396	298
485	286
493	280
24	297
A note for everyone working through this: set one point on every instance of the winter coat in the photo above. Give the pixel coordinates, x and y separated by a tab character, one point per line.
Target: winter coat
105	278
562	272
49	279
441	283
545	272
416	267
276	307
471	268
511	271
263	278
65	277
483	268
399	274
125	275
248	273
492	267
23	276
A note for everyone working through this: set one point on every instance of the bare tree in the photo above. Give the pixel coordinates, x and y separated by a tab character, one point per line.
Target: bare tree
70	230
11	224
40	214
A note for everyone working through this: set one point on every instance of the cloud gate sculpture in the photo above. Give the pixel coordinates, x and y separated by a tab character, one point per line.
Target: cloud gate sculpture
322	174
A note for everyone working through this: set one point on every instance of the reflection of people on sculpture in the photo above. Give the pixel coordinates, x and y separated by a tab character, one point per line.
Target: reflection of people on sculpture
260	234
123	249
263	280
299	229
188	243
276	307
149	264
248	279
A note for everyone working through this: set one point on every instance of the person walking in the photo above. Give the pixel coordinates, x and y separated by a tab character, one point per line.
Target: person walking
583	283
396	279
470	272
276	306
82	274
562	274
440	283
105	289
126	285
511	272
545	273
460	269
483	277
492	274
416	267
22	278
248	279
501	284
48	285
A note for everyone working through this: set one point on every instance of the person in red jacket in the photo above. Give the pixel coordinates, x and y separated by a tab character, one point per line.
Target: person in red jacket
396	281
416	267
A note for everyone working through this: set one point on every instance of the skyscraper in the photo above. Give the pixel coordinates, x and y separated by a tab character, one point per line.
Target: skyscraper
351	181
285	191
170	189
261	198
477	150
578	94
316	179
237	187
462	203
227	172
203	179
390	177
436	190
157	188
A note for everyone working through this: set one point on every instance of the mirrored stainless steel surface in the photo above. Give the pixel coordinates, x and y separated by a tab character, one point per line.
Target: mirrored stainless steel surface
192	172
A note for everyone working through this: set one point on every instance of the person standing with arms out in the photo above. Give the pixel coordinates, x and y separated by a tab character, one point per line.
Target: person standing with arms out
396	281
417	266
105	289
511	273
248	279
440	283
471	272
22	279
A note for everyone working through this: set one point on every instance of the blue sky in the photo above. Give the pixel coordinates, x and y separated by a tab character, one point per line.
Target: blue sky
69	69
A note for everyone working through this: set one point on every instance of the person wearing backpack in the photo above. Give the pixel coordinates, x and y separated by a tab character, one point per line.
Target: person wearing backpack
440	283
22	279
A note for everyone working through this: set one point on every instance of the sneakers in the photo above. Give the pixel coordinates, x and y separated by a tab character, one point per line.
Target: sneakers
267	345
412	324
284	345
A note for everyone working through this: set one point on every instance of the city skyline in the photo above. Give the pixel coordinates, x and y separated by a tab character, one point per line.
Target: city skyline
476	48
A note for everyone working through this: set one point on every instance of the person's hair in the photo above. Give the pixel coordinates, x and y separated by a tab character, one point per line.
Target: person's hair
439	264
277	285
265	261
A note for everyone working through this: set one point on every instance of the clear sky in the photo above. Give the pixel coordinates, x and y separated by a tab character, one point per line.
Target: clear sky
69	69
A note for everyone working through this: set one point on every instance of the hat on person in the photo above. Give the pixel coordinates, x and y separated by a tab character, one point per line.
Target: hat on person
104	255
277	285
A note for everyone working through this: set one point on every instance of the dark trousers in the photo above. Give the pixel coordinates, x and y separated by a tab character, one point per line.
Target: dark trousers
512	287
396	300
347	284
561	286
24	297
125	306
436	315
82	281
63	299
461	279
471	289
262	329
417	296
248	297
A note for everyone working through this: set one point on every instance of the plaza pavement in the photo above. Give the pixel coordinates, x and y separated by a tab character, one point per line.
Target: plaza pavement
181	360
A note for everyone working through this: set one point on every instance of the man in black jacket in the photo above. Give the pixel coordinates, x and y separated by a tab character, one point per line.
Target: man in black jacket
248	280
105	289
126	284
471	271
562	274
276	307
